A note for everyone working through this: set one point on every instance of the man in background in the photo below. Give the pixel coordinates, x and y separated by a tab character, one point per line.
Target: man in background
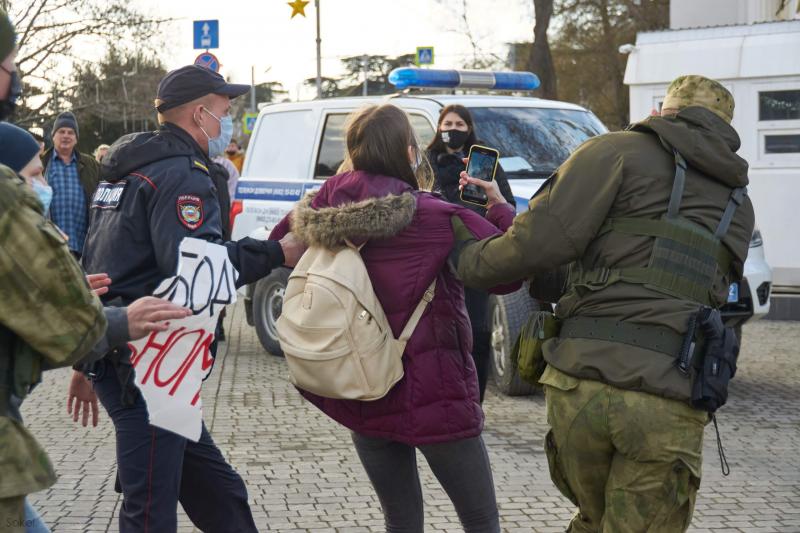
73	177
235	154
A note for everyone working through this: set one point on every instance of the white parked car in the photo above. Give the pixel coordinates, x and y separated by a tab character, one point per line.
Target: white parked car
296	146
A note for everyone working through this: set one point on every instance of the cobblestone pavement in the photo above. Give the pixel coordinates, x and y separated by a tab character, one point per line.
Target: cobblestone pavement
303	475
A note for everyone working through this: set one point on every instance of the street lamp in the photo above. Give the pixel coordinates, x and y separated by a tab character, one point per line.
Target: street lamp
298	8
319	55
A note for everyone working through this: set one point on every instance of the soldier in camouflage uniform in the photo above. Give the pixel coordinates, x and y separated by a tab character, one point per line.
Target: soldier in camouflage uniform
625	443
48	316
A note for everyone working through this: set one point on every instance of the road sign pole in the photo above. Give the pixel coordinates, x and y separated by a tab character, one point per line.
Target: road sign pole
365	89
253	88
319	55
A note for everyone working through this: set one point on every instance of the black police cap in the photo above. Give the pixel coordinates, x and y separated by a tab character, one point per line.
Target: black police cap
190	83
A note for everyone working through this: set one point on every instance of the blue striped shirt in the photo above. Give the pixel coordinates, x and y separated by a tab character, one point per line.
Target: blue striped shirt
68	209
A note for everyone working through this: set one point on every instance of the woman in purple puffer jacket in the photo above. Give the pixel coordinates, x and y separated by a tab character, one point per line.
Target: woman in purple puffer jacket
408	235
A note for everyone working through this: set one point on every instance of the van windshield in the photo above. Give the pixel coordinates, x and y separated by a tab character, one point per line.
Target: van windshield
533	141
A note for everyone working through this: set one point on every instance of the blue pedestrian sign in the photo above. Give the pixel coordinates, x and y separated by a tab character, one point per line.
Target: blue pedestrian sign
249	122
424	55
208	60
206	34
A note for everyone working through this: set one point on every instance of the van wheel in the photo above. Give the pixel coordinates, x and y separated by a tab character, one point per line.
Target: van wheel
267	305
508	314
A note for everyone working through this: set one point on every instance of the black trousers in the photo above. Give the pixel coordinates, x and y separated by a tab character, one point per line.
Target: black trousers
461	466
158	468
477	302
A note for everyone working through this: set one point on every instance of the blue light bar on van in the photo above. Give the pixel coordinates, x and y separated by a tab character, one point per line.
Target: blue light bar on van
406	77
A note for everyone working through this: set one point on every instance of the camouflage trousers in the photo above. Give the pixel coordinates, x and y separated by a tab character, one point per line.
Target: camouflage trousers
630	461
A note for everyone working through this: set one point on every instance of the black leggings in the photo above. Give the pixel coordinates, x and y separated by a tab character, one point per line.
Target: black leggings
462	467
477	303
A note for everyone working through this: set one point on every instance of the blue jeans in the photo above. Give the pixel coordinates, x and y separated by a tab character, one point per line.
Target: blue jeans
34	522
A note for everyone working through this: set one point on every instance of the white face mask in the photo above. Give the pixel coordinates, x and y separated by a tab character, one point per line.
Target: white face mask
44	192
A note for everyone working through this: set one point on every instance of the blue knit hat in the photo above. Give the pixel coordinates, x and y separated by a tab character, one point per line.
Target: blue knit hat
17	147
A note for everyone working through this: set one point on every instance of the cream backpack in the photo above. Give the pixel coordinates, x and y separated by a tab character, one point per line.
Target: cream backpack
334	332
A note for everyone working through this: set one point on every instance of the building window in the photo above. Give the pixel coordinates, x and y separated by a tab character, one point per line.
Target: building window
779	105
782	144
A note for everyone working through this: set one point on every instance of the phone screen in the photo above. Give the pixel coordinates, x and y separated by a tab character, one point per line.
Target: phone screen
481	166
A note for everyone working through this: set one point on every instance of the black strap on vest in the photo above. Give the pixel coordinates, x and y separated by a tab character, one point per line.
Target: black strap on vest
736	199
678	185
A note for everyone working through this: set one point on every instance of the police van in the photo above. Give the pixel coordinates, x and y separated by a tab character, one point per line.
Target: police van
296	146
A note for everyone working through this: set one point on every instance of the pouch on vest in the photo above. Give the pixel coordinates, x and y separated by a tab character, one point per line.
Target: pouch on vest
541	326
718	364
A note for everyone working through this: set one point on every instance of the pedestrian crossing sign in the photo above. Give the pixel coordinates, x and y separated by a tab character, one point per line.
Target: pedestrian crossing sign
424	55
249	122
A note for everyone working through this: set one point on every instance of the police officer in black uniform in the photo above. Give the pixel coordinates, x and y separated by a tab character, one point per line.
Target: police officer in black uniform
155	191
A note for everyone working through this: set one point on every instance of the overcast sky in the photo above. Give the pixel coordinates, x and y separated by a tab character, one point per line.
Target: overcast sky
261	33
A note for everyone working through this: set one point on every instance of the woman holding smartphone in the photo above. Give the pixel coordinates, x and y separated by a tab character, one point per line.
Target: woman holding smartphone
407	236
455	135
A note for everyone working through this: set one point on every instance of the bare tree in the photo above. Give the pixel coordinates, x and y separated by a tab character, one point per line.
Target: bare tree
540	59
481	59
586	53
783	4
49	30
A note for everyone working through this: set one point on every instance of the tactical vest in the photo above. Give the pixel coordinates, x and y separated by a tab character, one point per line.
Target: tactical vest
685	262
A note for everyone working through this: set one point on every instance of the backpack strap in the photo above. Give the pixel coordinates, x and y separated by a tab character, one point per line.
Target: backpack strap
411	325
350	244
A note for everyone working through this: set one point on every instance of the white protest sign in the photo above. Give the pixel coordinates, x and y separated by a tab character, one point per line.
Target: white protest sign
171	365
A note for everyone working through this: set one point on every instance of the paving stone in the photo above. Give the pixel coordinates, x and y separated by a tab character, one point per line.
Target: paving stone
302	473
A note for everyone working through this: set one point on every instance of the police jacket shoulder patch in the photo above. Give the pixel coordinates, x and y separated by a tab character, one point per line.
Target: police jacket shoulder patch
108	194
190	211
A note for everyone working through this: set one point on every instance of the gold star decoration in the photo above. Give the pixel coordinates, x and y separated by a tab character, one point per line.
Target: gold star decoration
298	7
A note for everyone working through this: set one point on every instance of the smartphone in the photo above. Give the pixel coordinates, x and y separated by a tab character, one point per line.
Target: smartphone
482	164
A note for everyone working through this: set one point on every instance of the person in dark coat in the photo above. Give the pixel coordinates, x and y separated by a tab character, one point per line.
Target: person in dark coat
73	176
157	190
455	135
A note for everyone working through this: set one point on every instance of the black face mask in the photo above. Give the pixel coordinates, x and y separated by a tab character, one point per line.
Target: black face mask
15	91
454	138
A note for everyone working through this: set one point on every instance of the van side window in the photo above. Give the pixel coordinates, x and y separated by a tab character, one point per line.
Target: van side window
279	147
423	128
331	150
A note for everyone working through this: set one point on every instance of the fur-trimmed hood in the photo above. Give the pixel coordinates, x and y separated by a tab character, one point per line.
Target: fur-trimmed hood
373	218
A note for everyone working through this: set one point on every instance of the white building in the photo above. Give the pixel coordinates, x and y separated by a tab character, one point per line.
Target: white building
754	50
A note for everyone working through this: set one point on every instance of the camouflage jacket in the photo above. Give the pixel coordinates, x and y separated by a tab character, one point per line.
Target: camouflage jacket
47	309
